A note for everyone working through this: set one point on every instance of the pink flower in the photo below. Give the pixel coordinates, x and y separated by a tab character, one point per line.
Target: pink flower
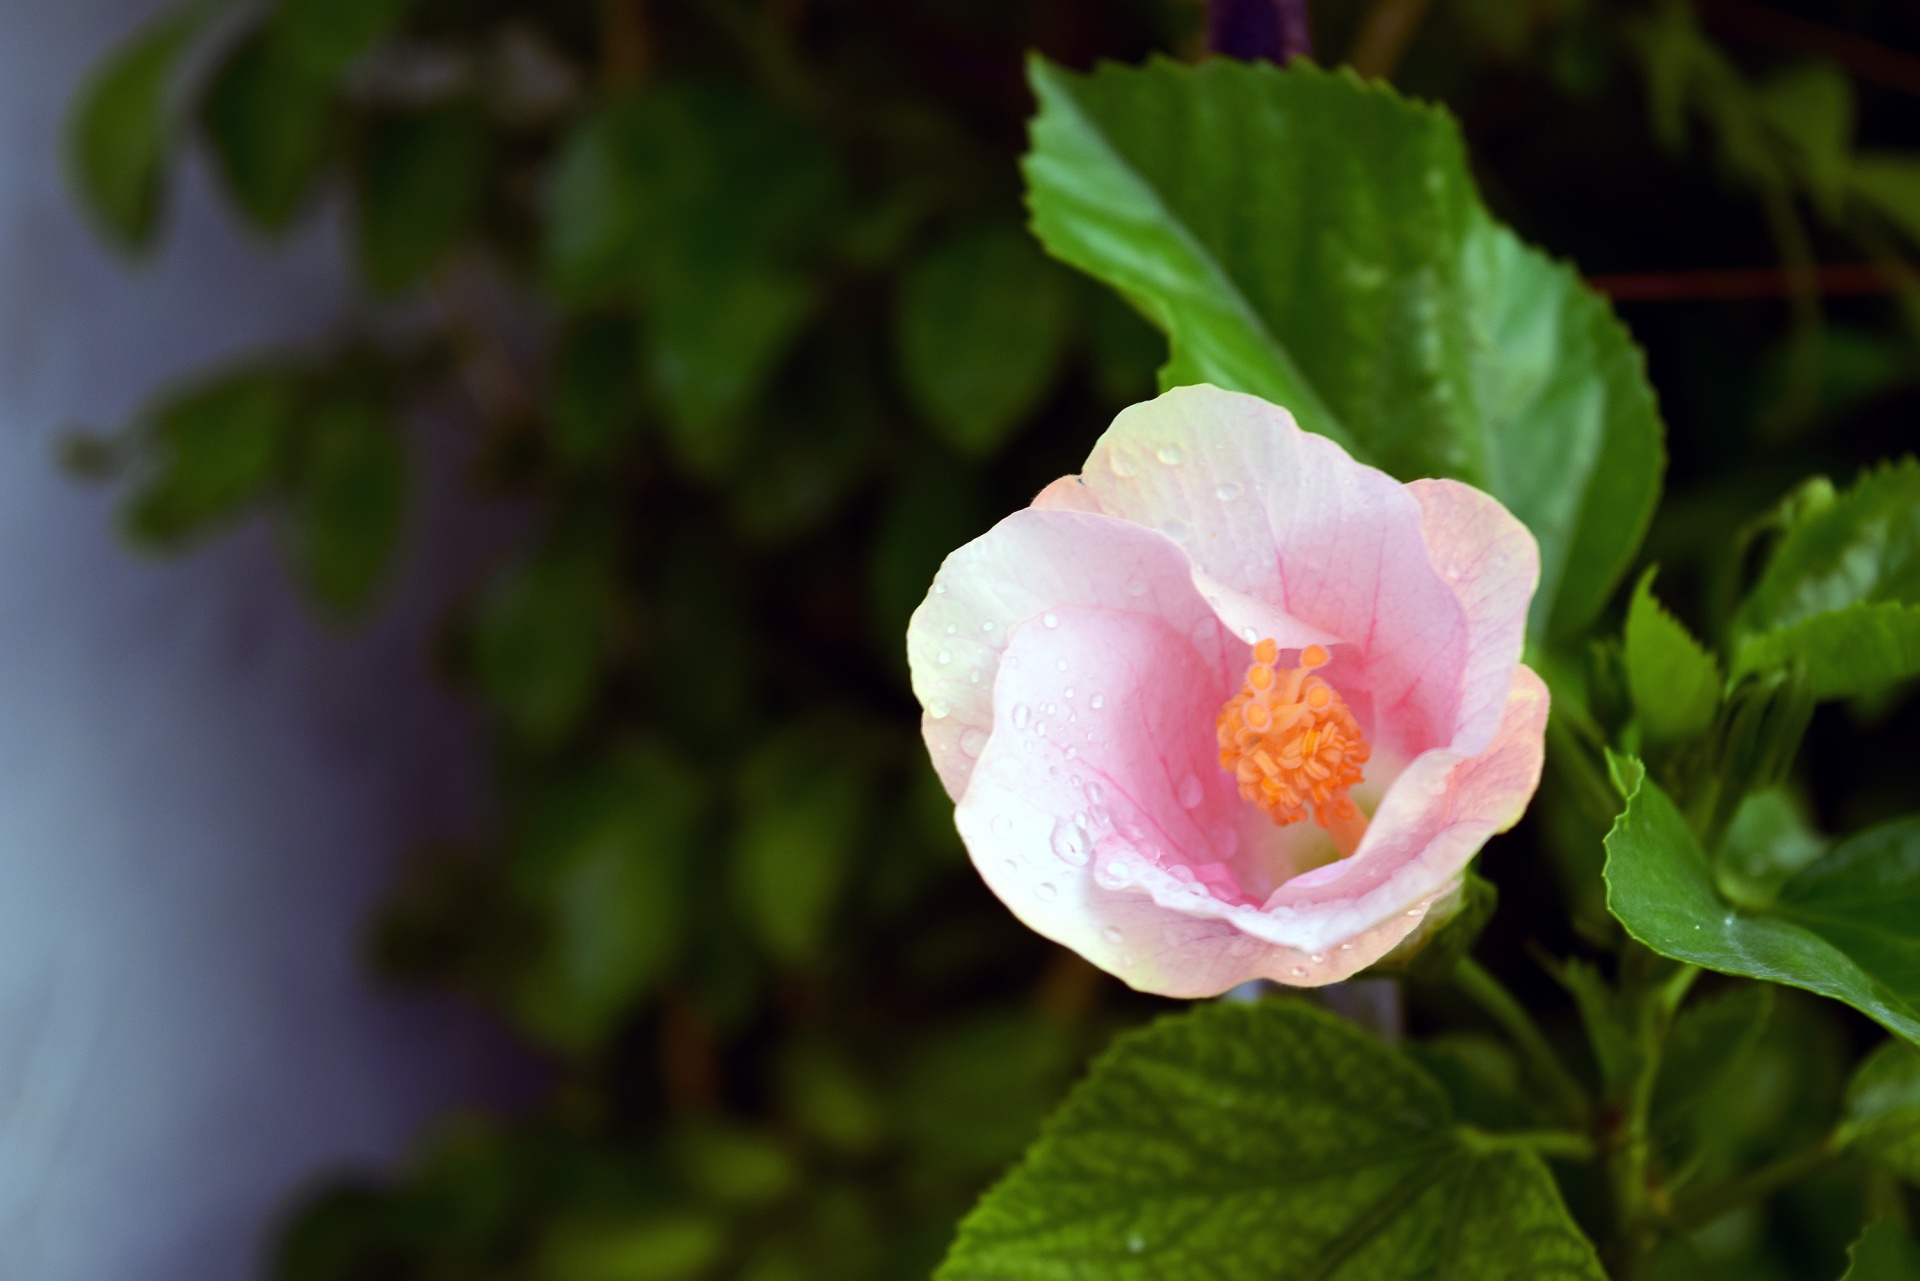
1231	705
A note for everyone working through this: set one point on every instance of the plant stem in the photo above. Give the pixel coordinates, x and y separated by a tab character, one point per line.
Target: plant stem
1562	1144
1654	1005
1492	996
1704	1207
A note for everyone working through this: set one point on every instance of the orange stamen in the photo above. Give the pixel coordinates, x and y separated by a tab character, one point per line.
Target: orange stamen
1291	742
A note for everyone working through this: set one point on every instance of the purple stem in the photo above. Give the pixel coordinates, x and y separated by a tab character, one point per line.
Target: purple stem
1276	30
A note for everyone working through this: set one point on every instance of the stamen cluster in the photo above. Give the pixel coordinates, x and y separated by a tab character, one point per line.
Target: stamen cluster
1291	742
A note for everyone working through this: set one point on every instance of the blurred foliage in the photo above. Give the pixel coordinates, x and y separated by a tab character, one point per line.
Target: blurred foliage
735	297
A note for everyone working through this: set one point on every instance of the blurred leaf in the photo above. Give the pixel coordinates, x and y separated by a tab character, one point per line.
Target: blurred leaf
322	36
980	323
1480	1075
1266	1140
1860	649
1883	1108
933	505
349	488
1884	1253
121	133
605	861
1888	182
734	1165
268	119
1446	934
336	1236
821	430
539	636
1846	927
1768	842
421	180
1709	1045
705	203
974	1094
1810	107
1122	347
215	448
1675	682
1354	276
670	1246
595	388
804	799
705	669
830	1101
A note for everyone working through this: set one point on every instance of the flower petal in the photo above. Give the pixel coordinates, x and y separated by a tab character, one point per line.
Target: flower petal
1032	565
1287	520
1492	563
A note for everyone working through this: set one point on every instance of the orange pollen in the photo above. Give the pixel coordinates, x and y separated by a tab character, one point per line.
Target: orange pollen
1292	744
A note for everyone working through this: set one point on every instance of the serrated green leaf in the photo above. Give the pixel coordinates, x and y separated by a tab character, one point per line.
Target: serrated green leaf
1883	1253
1351	273
1856	650
121	135
420	185
1859	547
1846	927
980	323
268	119
1675	682
215	448
1883	1108
348	493
1268	1140
604	864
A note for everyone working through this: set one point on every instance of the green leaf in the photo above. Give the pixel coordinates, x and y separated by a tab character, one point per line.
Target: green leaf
1675	682
1708	1048
1266	1140
604	863
1845	927
539	636
980	323
215	448
1448	933
1768	842
1883	1108
1810	109
268	119
1353	275
349	489
1883	1253
121	134
804	798
679	1245
1856	650
1841	591
421	181
595	388
974	1093
322	36
1888	182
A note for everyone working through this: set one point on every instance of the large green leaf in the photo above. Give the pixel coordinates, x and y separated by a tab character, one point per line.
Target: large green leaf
1854	650
1268	1140
1883	1107
268	118
1318	241
215	448
980	324
122	132
1884	1253
1847	927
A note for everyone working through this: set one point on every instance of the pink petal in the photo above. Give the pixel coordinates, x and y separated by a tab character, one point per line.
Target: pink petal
1284	521
1032	565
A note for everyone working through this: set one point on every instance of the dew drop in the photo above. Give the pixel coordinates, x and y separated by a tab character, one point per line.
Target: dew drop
1135	1243
1175	529
1120	464
1069	693
1111	935
938	709
974	676
946	656
1070	843
1249	635
1061	665
1298	971
1228	491
1021	715
1318	958
939	589
1046	892
1010	867
987	625
973	742
1073	753
1116	873
1416	911
1099	701
1170	454
1002	826
1126	960
952	630
1039	729
1136	586
1095	792
1051	620
1191	793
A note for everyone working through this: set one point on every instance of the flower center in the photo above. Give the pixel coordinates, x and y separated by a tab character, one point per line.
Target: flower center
1292	744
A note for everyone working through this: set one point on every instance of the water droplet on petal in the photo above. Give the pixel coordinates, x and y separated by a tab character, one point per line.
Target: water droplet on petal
1110	934
1070	843
1318	958
973	742
1298	971
1051	620
1046	892
946	656
1099	701
1021	714
939	589
1136	586
1095	792
1002	826
1120	463
1249	635
1010	867
1191	792
939	708
974	676
1170	454
952	629
987	625
1061	665
1416	911
1175	529
1069	693
1228	491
